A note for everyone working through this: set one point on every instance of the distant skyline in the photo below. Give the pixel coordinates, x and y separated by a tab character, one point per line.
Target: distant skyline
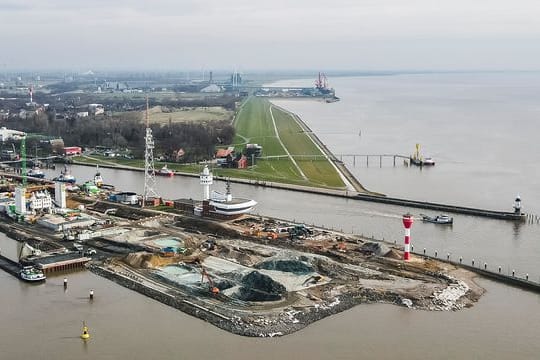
358	35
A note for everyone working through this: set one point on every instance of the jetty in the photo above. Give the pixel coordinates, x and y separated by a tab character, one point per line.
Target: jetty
503	215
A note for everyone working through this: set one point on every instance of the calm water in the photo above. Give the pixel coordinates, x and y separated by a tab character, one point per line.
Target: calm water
482	130
44	322
482	133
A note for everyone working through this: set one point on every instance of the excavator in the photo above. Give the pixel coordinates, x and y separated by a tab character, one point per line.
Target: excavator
213	289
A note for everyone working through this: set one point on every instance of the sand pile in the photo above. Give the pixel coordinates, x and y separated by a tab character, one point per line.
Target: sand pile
144	260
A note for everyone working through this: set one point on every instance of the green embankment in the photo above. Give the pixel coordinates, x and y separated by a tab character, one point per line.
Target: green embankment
254	125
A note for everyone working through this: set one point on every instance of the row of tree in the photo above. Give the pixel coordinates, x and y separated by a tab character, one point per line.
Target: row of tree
197	140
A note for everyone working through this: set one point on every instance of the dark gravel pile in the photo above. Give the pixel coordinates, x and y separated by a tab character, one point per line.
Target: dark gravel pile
260	287
293	266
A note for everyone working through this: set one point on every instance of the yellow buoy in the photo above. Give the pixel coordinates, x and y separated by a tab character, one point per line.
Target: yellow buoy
85	335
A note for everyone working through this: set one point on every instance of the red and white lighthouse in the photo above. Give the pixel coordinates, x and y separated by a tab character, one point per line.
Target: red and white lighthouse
407	223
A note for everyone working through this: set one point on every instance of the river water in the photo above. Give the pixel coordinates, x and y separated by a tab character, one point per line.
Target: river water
457	119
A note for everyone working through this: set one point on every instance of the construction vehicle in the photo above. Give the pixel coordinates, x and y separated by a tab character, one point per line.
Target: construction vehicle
213	289
209	244
171	251
299	230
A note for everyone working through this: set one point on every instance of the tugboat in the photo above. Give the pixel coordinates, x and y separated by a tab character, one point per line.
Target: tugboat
65	176
439	219
32	274
36	172
98	180
164	171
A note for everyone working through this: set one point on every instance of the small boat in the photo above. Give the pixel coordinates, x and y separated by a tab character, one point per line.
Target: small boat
32	274
439	219
428	162
65	176
98	180
35	172
164	171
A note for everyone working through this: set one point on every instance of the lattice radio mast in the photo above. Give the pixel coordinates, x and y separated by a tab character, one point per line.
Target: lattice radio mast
149	170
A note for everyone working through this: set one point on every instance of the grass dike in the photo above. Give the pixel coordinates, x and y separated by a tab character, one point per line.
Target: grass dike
292	157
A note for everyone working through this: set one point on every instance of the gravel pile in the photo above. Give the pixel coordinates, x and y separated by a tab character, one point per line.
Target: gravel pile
259	287
285	265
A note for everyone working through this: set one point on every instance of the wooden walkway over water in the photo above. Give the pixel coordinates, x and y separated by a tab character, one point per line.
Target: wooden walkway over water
356	158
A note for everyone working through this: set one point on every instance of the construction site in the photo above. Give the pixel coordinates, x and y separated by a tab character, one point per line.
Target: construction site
264	277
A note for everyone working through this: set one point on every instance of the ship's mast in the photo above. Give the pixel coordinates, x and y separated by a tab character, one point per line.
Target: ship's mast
149	170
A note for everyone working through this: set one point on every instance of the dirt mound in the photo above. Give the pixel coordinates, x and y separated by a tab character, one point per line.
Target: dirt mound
242	257
394	254
260	287
138	260
143	260
292	266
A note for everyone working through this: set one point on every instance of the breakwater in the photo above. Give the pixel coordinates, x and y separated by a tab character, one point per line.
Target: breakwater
503	215
524	281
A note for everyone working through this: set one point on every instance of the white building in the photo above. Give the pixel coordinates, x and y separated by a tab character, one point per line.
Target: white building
59	223
96	109
20	200
41	200
60	194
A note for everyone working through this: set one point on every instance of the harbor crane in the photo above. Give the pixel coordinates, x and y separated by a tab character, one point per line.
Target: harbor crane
321	82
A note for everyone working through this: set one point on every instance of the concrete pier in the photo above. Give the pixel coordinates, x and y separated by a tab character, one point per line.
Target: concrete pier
503	215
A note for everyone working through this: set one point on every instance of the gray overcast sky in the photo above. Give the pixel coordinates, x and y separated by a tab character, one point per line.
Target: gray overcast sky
271	34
